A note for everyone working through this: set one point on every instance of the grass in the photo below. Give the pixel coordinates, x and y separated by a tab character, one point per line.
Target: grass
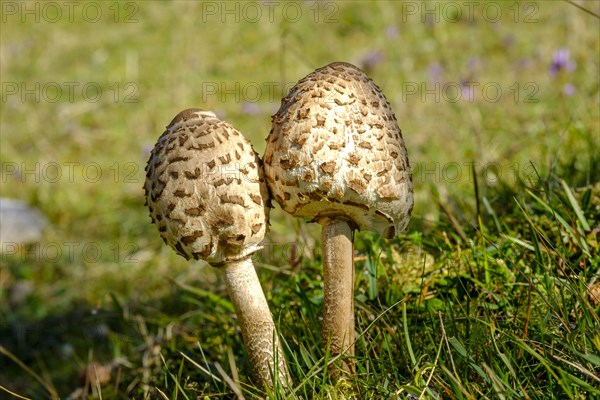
488	294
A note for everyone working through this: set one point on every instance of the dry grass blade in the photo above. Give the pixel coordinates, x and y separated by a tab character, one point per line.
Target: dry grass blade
164	396
13	393
49	388
236	389
200	367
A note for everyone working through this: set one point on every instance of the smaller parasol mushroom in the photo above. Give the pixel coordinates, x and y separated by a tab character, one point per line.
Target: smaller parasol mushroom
206	194
335	155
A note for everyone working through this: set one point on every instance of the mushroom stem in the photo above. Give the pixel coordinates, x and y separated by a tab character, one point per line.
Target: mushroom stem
338	275
256	323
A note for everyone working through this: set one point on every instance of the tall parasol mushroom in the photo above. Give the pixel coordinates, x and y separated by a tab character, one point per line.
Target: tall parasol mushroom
335	155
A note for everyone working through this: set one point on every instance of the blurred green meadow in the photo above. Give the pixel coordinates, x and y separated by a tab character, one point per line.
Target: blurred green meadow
492	292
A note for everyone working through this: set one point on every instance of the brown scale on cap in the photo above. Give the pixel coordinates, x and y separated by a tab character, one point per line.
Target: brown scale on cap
205	189
336	149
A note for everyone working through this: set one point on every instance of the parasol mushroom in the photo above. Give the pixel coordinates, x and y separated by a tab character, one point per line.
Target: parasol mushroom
335	155
206	194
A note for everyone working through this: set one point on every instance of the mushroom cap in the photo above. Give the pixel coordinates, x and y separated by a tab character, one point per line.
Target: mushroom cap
205	189
335	150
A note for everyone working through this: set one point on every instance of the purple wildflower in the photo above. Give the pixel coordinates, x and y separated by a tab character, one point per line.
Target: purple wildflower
251	108
473	64
524	63
371	59
569	89
561	61
467	90
509	40
391	31
435	72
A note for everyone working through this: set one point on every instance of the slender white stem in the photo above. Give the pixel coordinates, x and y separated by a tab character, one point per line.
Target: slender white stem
338	276
256	323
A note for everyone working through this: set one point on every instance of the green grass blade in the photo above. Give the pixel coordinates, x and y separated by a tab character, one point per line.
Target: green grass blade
560	219
519	242
575	205
413	359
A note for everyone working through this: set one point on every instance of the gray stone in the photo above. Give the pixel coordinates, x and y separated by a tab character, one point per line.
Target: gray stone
19	223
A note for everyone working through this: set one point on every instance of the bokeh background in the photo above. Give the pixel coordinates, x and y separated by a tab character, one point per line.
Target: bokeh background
506	90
